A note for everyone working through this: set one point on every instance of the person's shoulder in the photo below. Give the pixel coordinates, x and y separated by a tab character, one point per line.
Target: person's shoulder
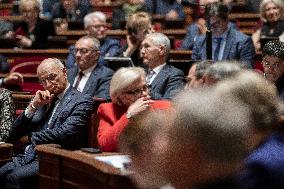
239	35
111	41
161	104
173	70
104	70
270	152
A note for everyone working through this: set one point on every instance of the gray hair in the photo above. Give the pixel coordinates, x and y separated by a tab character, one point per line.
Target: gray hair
200	117
97	14
160	39
278	3
94	40
122	79
55	61
223	70
256	93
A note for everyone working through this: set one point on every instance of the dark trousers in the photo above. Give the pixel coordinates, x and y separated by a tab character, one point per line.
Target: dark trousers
17	174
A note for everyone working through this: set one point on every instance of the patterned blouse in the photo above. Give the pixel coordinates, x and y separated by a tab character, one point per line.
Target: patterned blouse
7	113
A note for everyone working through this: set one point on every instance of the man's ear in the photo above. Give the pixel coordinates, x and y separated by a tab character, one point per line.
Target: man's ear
162	50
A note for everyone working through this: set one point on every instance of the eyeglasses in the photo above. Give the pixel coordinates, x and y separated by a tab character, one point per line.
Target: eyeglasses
267	64
137	92
50	77
83	50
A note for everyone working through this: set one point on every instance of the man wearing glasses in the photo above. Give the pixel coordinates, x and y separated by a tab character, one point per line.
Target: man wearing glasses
59	114
96	26
273	64
164	80
89	76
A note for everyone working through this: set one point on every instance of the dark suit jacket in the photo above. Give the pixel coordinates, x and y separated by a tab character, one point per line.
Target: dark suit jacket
192	33
68	126
264	168
167	83
108	46
81	10
98	82
42	30
238	47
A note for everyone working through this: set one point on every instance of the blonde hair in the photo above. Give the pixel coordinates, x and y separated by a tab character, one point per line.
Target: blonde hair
138	21
278	3
122	79
29	4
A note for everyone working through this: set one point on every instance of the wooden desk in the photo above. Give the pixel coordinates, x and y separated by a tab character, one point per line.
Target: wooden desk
20	53
60	169
6	151
62	53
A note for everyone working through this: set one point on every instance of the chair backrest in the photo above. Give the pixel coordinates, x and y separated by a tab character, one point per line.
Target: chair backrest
94	124
26	67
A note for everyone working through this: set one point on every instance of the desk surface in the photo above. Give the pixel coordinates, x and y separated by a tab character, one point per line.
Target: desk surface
77	169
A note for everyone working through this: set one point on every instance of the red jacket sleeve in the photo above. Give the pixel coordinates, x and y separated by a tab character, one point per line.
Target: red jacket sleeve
110	127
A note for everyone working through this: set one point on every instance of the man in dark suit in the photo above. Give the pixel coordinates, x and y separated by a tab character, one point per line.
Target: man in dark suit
96	26
59	114
89	76
227	42
165	80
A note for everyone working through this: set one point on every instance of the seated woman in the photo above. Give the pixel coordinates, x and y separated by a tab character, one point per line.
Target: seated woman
33	31
130	97
7	113
271	13
138	26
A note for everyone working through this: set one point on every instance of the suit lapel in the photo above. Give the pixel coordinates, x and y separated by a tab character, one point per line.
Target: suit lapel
228	46
160	77
92	81
72	74
63	104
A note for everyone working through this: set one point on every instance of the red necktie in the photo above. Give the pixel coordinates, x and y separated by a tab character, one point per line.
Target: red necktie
81	74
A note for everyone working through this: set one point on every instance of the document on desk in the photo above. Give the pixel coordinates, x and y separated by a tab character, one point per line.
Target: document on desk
118	161
2	142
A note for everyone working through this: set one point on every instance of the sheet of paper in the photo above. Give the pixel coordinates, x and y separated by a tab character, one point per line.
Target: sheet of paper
118	161
2	142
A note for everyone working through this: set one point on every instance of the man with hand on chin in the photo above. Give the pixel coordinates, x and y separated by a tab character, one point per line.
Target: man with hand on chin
59	115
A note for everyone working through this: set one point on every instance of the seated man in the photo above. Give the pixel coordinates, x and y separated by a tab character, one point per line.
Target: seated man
95	26
59	115
165	80
227	43
89	76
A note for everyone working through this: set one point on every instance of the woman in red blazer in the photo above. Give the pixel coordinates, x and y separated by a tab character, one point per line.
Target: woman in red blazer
130	96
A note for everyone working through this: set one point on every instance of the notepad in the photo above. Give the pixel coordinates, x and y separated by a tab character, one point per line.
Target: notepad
118	161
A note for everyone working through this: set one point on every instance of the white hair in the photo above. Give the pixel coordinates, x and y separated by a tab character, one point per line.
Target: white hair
97	14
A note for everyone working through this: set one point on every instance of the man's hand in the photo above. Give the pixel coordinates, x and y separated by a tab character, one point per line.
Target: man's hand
41	98
14	78
201	24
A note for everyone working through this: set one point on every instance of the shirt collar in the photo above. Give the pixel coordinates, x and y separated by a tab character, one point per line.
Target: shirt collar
158	68
60	95
87	72
223	36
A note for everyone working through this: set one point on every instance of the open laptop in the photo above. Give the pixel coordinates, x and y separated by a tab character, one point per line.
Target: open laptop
115	63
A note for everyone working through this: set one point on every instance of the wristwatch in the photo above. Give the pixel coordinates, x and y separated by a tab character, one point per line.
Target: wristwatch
128	115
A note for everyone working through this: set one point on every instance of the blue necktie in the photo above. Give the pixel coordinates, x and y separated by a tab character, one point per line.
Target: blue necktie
218	41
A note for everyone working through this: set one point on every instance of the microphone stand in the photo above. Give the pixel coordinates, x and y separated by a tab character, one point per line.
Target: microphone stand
208	37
